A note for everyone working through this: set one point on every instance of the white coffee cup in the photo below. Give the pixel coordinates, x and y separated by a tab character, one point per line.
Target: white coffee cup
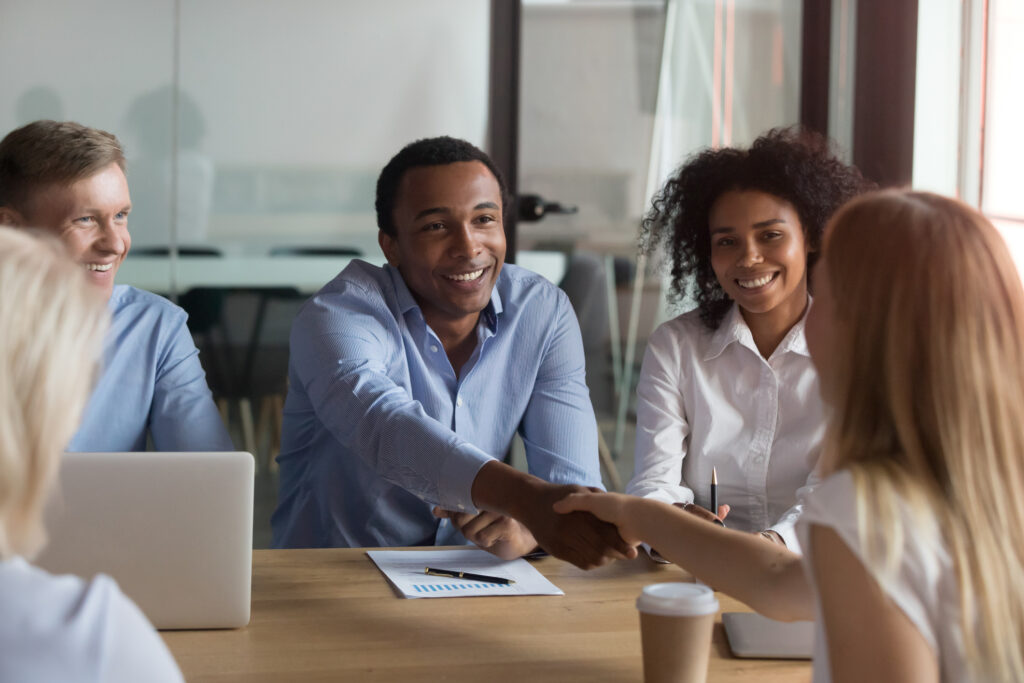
676	620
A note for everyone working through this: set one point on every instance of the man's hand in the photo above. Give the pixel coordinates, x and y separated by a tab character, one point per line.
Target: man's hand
578	537
498	534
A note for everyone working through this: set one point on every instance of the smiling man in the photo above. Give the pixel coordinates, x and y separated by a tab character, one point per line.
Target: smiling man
69	179
407	382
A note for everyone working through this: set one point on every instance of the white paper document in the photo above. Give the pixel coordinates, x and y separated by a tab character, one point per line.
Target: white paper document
405	570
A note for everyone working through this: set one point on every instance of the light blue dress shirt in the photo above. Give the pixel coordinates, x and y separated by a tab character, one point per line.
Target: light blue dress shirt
378	428
151	380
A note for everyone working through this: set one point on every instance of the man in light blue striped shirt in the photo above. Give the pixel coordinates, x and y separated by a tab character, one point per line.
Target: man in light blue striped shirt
69	179
408	381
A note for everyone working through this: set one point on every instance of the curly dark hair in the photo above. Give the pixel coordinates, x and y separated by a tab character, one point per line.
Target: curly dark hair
797	165
437	151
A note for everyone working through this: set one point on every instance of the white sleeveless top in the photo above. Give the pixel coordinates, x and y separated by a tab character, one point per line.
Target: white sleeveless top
61	628
924	586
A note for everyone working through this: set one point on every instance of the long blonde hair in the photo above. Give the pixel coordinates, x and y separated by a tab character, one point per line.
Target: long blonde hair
928	399
52	323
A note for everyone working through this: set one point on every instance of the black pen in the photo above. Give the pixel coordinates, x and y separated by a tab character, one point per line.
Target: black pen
456	574
714	496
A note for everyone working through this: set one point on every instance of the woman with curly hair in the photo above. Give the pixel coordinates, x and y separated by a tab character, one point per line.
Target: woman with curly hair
729	386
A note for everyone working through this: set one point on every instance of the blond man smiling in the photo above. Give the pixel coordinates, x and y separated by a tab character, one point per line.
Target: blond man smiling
69	179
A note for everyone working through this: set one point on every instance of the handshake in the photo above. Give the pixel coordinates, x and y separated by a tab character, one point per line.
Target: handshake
585	526
549	521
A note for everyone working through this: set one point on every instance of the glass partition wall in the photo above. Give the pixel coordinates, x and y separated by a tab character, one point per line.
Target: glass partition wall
255	131
615	95
251	126
967	136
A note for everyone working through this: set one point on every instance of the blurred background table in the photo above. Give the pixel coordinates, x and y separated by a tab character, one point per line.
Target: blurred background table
240	309
304	273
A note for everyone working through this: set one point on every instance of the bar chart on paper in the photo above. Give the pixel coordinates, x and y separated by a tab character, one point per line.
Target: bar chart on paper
405	570
490	588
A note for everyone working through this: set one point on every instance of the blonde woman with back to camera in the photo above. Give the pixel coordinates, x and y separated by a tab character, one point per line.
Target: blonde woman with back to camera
914	541
54	628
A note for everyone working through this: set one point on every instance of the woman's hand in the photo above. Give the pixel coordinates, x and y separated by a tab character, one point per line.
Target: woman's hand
615	508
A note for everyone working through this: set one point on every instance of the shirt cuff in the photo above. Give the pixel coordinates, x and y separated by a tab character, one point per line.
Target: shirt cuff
788	534
655	555
669	497
455	488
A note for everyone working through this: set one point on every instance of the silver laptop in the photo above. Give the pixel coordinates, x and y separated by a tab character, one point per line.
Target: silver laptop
173	529
754	636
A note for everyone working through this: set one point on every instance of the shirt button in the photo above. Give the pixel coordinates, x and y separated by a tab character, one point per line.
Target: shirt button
433	347
461	506
458	401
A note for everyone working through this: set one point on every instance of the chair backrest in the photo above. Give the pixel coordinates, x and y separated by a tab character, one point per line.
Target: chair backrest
315	251
183	250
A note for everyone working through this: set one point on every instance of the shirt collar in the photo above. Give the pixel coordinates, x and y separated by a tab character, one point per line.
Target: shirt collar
405	299
494	308
733	329
796	340
407	302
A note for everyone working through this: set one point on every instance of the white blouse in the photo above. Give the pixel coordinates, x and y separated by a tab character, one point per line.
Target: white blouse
708	398
61	628
924	585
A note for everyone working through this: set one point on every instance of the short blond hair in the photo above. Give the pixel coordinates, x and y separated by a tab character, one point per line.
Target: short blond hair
44	153
928	400
51	330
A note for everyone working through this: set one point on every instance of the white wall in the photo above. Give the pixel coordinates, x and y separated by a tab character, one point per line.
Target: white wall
287	111
334	83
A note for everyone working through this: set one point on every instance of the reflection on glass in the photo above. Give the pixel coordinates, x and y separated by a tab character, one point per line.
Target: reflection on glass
156	121
36	103
301	115
615	96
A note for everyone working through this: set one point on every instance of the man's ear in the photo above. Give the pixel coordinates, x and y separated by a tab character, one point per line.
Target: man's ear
389	245
11	217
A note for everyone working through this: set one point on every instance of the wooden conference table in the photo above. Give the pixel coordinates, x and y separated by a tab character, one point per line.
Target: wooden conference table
330	615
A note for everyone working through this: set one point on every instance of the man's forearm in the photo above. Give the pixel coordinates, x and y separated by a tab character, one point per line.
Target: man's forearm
504	489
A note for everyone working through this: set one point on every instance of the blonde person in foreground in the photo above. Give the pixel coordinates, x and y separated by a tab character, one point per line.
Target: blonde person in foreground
913	542
54	628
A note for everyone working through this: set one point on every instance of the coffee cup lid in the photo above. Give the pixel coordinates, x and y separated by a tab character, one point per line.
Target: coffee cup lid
677	600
